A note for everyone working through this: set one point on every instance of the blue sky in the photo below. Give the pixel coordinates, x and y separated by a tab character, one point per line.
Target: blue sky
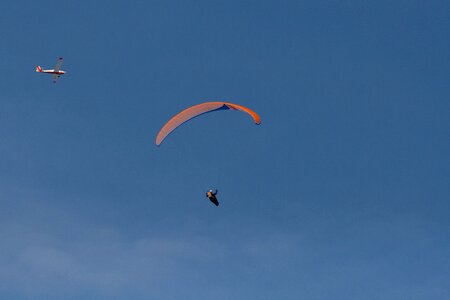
341	193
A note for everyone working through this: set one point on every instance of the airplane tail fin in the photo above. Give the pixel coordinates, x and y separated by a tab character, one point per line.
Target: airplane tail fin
38	69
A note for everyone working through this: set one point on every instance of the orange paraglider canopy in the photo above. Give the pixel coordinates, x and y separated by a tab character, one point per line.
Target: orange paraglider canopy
197	110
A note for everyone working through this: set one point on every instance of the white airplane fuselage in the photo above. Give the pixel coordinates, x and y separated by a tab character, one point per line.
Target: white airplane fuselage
53	72
60	72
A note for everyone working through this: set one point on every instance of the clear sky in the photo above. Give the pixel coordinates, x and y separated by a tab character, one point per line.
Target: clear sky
342	192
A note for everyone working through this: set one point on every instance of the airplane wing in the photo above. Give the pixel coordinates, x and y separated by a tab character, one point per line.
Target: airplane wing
58	64
55	77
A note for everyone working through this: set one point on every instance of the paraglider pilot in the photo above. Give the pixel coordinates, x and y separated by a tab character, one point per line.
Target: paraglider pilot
212	197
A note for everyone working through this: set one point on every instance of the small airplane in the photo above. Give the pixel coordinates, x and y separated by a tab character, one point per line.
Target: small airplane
56	72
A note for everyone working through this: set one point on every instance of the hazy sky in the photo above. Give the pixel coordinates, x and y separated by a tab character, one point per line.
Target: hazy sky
341	193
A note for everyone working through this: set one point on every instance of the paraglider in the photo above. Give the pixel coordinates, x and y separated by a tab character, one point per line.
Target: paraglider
198	110
212	197
195	111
